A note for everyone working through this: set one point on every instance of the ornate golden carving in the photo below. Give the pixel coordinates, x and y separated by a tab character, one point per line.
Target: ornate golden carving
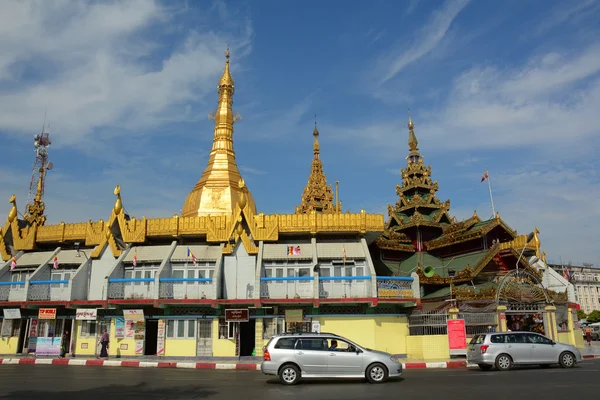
317	195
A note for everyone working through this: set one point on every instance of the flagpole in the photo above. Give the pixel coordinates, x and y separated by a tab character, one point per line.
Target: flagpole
490	188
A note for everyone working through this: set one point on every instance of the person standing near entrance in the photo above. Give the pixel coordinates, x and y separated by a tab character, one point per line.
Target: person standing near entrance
588	335
104	340
64	344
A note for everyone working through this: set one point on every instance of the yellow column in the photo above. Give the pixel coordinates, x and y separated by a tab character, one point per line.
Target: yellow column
571	327
501	318
258	338
551	322
453	313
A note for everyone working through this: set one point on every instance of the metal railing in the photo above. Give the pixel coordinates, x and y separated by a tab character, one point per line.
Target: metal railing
5	290
186	288
287	288
398	287
57	290
344	286
131	288
12	291
421	323
476	323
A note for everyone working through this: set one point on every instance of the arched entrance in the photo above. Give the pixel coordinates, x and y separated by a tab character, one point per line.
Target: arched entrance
525	299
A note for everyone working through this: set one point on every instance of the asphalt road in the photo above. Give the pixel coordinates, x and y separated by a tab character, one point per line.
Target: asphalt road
75	382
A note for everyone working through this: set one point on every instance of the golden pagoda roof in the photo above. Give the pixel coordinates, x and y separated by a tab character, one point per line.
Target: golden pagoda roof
317	195
219	188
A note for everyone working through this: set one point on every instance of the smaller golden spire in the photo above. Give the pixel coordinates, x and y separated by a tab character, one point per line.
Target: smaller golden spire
412	138
226	79
316	147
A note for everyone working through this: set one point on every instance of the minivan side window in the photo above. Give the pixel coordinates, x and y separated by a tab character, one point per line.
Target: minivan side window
285	343
313	344
497	338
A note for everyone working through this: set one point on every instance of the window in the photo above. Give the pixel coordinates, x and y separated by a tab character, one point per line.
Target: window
477	339
10	327
313	344
273	326
497	339
341	345
227	330
88	328
285	343
302	272
538	339
181	328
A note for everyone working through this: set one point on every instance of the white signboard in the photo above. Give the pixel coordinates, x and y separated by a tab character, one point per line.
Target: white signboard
89	314
133	315
12	313
316	327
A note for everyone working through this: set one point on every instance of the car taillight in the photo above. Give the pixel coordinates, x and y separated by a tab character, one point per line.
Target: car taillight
483	348
267	356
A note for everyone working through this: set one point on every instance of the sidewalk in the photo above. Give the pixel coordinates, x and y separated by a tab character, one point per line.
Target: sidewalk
192	364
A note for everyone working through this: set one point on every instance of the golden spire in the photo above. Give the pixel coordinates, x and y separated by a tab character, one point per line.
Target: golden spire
218	191
317	195
412	138
35	210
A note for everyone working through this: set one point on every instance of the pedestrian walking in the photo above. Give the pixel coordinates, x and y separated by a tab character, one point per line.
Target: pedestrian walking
64	344
104	341
588	335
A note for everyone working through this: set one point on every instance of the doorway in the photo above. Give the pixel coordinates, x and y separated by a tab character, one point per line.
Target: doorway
151	337
247	338
23	329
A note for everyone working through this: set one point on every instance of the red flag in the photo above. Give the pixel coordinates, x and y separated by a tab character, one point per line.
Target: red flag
55	262
485	176
13	263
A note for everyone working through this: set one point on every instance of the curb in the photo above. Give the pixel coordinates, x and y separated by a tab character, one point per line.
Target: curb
188	365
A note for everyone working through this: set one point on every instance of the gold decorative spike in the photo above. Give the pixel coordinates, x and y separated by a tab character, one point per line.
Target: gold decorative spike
217	192
412	138
35	210
317	195
12	214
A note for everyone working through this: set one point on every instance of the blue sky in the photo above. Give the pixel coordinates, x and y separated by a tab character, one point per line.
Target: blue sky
512	86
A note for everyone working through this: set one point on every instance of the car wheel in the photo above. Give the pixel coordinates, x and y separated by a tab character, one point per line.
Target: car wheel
289	374
485	367
377	373
504	362
566	360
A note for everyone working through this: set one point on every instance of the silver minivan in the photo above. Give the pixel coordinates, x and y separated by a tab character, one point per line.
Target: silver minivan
325	355
503	350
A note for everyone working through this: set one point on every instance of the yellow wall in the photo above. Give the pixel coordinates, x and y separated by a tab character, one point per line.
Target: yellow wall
221	347
258	339
8	345
431	347
114	347
378	333
579	342
564	337
79	340
180	347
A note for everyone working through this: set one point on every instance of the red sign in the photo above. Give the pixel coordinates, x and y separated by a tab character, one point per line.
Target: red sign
236	315
457	335
47	313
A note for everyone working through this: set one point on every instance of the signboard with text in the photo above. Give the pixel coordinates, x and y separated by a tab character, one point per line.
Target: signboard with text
457	336
292	316
241	315
133	315
89	314
47	313
12	313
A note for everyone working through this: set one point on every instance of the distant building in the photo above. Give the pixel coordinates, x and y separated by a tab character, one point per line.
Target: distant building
586	280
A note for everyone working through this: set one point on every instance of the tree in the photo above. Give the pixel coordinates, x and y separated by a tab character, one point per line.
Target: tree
594	316
581	315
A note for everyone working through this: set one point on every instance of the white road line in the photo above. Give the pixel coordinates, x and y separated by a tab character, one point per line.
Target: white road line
225	366
186	365
148	364
77	362
111	363
45	361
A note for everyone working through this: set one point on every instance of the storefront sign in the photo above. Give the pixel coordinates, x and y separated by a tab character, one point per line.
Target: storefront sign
88	314
47	313
133	315
129	329
457	336
160	342
119	328
139	347
393	288
294	316
237	315
316	327
12	313
47	346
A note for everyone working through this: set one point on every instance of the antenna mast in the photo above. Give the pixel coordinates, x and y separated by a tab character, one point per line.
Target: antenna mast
35	205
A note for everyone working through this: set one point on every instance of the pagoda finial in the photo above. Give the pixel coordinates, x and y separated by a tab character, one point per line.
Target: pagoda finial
316	147
412	138
226	79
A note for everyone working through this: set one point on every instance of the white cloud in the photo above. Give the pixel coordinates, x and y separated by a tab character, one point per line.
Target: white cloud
252	171
96	66
430	35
